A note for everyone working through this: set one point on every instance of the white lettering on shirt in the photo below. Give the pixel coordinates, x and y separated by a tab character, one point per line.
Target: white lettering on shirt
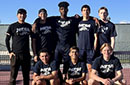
84	27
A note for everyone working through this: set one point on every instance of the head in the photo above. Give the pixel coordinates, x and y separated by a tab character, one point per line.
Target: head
106	50
85	9
21	15
74	52
44	55
103	13
42	14
63	8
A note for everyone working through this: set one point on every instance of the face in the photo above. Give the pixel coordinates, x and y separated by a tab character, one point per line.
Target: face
63	11
103	14
44	56
74	54
42	15
21	17
85	12
106	51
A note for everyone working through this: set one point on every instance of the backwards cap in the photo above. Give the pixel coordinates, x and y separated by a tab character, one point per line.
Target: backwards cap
63	4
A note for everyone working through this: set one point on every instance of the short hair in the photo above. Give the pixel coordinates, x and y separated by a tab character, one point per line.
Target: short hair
42	10
74	47
85	6
103	8
21	11
44	50
106	45
63	4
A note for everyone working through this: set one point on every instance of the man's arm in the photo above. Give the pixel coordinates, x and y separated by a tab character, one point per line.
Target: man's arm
7	42
34	41
34	28
95	41
34	49
119	76
113	42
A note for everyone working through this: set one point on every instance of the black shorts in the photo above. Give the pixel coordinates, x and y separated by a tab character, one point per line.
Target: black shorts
87	55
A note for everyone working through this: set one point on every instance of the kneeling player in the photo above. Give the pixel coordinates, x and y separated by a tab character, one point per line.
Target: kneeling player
106	69
75	71
45	71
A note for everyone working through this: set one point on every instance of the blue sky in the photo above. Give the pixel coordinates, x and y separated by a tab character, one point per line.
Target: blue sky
119	10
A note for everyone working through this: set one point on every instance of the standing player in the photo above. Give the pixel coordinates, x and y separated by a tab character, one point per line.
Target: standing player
75	70
87	40
107	31
45	71
44	34
106	69
19	53
66	30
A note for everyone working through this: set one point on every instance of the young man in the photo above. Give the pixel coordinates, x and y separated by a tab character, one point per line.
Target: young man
106	69
44	34
66	28
106	31
75	70
19	53
45	71
87	39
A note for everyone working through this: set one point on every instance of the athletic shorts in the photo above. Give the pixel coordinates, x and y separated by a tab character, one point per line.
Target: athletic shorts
87	55
62	54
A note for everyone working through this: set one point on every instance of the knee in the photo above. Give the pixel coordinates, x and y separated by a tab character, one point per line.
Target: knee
90	82
39	82
52	82
85	82
123	82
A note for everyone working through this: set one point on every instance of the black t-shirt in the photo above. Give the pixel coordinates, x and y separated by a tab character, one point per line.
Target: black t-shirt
106	69
42	69
87	29
105	32
66	30
20	37
75	71
45	35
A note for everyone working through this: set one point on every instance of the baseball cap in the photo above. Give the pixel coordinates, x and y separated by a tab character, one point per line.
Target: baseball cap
21	11
63	4
42	10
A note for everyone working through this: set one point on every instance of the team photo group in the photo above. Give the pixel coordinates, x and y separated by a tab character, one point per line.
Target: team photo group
67	50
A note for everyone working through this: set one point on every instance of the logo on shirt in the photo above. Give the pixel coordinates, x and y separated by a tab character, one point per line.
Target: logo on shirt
63	23
45	29
45	71
107	68
22	31
84	27
75	71
103	29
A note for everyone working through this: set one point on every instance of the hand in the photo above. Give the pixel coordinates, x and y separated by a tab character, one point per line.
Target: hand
71	81
77	16
11	54
63	76
96	21
35	58
37	78
111	81
106	82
